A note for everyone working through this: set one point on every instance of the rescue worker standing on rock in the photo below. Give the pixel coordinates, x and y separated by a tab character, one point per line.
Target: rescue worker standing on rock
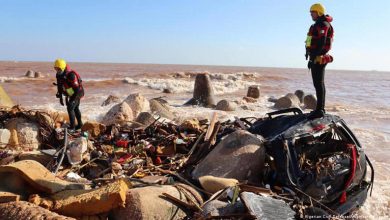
318	43
69	84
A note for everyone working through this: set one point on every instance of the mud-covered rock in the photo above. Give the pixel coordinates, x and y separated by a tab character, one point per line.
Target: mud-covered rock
138	103
288	101
253	92
145	118
310	101
118	114
161	109
38	74
30	74
110	100
148	202
93	128
225	105
300	94
203	91
240	155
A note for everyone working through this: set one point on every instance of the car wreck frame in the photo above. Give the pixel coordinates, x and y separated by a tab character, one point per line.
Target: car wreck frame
336	179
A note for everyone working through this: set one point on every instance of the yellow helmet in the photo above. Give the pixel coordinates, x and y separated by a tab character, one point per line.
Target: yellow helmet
60	64
320	9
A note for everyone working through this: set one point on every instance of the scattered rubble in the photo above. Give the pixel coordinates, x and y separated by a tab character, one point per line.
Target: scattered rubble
149	168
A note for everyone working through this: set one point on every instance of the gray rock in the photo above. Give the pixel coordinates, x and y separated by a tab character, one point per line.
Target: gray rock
253	92
38	75
111	99
218	208
300	94
310	101
138	103
288	101
239	155
119	113
161	109
29	74
203	91
145	118
225	105
266	207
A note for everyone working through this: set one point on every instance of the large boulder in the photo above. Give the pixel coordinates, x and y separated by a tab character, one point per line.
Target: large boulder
111	99
24	134
203	91
300	94
137	103
159	108
240	155
310	101
30	74
118	114
253	92
225	105
38	75
93	128
5	100
149	203
145	119
288	101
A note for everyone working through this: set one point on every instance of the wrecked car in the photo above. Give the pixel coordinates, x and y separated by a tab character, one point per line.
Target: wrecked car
320	161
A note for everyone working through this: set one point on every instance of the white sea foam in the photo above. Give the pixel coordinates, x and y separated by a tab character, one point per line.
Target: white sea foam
222	83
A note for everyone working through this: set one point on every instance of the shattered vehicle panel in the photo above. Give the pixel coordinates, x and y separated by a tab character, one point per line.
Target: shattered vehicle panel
320	158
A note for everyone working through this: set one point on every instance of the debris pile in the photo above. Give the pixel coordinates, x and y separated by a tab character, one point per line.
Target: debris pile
195	170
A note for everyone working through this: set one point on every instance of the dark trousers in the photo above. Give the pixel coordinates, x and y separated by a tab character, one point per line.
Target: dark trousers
318	74
74	111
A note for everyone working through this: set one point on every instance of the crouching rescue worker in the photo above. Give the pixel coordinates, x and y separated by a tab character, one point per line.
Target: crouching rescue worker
69	84
318	43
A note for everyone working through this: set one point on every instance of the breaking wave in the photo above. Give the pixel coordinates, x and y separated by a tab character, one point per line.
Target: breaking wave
222	82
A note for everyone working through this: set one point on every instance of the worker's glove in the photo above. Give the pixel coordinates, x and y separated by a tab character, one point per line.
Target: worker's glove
61	101
309	64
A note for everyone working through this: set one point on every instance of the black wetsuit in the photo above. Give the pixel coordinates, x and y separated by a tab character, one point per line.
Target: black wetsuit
72	80
322	33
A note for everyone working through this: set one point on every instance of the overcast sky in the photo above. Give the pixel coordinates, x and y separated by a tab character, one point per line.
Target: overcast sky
214	32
